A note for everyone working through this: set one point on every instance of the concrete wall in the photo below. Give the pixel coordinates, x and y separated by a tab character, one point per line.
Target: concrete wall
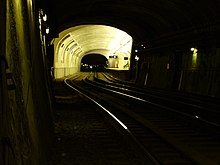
176	70
29	125
120	74
204	78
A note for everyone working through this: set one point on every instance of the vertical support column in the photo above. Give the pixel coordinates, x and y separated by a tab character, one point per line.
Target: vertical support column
147	73
178	73
3	85
137	70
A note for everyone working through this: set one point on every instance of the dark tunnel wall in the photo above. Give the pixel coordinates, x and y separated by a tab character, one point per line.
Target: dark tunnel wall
175	70
167	62
27	120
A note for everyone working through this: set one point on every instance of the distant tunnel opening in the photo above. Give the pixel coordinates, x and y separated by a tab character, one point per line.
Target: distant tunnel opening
76	42
93	62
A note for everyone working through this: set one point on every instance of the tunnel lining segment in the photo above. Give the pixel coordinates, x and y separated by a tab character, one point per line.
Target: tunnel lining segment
76	42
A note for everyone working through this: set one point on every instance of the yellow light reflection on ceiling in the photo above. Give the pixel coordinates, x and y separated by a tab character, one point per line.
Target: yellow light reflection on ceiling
78	41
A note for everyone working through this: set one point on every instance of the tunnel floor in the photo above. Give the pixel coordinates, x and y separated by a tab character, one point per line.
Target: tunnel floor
77	144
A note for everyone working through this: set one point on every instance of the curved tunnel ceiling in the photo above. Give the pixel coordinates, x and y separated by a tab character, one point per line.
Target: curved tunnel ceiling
143	19
76	42
156	23
87	39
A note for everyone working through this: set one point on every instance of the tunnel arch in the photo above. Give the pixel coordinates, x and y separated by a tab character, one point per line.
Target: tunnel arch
136	30
76	42
143	21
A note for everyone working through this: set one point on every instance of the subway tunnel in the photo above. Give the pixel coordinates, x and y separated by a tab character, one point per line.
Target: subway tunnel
170	45
157	30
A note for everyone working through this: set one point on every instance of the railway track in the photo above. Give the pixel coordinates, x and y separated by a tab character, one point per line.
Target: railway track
206	102
161	136
83	136
202	108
